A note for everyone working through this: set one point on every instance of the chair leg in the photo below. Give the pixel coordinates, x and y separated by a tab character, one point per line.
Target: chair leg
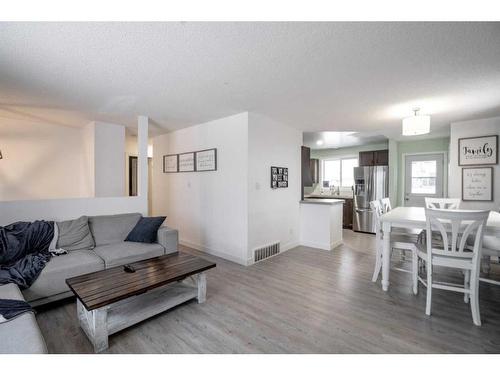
378	265
429	290
414	272
474	300
466	285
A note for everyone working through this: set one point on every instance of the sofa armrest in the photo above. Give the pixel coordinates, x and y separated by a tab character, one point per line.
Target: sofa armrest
169	239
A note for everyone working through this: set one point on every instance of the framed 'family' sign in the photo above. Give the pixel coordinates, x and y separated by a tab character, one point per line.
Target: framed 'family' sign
477	184
478	150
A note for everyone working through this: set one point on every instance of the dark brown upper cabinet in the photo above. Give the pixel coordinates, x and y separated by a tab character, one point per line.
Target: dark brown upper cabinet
315	170
372	158
306	166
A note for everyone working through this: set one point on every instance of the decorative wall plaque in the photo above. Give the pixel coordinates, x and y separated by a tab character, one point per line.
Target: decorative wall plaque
477	184
478	150
279	177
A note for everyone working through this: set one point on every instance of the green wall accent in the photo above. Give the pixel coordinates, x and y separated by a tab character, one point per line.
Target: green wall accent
415	147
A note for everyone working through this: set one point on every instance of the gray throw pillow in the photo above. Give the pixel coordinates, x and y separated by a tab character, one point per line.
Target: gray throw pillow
75	235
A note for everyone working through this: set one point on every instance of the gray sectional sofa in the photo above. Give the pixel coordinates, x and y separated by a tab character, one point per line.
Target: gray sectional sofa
22	335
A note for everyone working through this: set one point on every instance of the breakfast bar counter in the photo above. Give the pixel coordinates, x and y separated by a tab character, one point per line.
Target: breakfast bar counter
321	223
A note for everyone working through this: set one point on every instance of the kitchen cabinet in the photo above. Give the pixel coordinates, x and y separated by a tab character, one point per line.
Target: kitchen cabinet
373	158
347	214
314	170
305	169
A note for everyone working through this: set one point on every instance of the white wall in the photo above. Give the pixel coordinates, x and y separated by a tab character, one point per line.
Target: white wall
273	214
63	209
490	126
109	152
208	208
42	161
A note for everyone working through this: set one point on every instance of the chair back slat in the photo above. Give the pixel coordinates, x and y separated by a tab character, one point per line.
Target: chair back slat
442	203
386	205
455	227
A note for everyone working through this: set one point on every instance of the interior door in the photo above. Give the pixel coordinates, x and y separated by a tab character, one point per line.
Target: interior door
423	178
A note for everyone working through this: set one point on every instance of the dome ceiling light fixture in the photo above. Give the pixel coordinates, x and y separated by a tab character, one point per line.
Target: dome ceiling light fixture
416	124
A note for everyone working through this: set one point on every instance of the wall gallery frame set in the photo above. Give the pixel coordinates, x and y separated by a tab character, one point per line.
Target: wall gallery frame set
477	182
196	161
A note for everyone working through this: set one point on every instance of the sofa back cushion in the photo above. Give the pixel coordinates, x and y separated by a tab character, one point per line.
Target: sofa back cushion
108	229
74	235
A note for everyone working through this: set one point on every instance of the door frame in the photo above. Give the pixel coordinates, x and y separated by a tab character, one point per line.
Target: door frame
403	171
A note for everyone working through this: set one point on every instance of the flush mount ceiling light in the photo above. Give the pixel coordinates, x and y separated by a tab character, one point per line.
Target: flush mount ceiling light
319	143
416	124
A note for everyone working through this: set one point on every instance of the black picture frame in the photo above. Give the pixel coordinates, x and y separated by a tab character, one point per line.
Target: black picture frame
165	164
196	160
179	162
459	146
279	177
492	191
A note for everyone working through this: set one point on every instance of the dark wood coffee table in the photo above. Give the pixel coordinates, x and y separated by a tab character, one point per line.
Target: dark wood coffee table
111	300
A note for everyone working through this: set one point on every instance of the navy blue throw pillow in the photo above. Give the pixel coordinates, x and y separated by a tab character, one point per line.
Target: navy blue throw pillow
146	229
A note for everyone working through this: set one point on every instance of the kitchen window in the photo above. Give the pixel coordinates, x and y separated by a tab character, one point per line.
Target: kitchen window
340	172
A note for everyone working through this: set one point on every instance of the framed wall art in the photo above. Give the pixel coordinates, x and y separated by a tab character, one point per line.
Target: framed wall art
170	163
206	160
186	162
279	177
478	150
477	184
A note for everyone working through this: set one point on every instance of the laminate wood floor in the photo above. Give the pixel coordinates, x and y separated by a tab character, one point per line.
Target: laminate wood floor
302	301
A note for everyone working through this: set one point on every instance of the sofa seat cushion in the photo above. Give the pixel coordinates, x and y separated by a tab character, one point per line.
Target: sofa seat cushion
52	280
109	229
20	335
128	252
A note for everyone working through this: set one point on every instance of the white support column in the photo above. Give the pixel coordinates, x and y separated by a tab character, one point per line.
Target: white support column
142	159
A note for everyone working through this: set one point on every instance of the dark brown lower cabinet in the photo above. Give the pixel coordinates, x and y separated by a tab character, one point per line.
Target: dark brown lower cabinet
347	214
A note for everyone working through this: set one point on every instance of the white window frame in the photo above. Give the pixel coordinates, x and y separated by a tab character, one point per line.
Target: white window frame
340	158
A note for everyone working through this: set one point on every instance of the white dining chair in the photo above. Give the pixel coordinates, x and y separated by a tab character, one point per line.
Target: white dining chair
491	248
401	240
442	203
455	227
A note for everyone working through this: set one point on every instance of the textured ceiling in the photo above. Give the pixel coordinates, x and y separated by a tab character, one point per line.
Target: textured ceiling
313	76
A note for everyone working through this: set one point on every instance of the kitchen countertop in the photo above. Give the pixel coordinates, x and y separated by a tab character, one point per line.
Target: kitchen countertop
321	201
326	196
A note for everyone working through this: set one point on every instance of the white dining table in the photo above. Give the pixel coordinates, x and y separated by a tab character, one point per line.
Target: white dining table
414	218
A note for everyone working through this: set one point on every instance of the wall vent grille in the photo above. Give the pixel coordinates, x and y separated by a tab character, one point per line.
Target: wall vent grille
266	251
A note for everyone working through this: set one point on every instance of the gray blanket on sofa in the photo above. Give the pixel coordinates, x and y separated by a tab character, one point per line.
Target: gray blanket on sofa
11	308
24	250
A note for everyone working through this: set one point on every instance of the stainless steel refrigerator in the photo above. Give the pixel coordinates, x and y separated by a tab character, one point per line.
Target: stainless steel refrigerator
370	183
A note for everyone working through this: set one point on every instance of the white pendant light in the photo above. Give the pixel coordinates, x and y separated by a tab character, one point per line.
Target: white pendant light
417	124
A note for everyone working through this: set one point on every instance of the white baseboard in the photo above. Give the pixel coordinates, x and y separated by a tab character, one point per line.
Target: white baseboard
213	252
322	246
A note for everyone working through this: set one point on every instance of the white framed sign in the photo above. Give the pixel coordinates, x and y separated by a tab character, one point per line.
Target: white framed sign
478	150
170	163
186	162
206	160
477	184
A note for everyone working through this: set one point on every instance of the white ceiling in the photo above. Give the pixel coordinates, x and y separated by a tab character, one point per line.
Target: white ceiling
313	76
340	139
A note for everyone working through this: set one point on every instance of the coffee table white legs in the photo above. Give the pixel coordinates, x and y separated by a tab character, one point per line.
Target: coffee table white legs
94	324
386	255
201	282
